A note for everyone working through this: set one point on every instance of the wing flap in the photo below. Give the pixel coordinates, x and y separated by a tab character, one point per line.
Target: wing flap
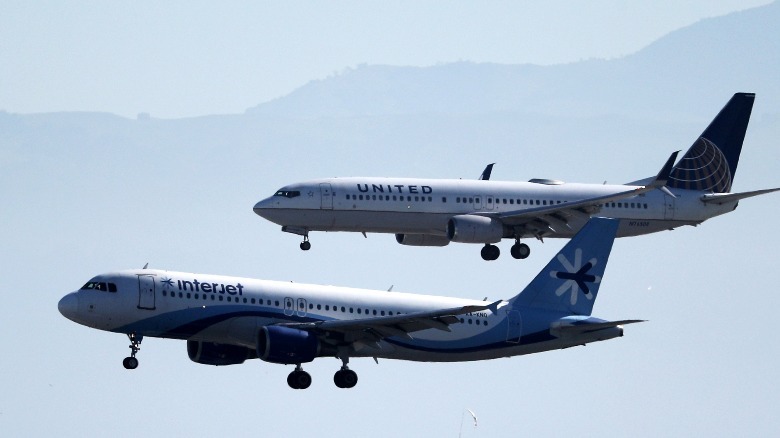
372	330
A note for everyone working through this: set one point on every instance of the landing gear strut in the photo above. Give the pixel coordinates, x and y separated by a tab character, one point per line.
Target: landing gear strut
520	250
490	252
299	379
345	377
131	362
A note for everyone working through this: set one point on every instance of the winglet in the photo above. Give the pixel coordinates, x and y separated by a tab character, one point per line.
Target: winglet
663	176
486	173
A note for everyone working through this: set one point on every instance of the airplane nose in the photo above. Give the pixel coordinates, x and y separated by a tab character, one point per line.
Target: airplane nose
260	207
69	305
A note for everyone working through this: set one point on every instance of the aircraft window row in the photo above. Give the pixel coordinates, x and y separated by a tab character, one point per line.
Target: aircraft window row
465	200
626	205
392	198
327	307
475	321
101	286
288	193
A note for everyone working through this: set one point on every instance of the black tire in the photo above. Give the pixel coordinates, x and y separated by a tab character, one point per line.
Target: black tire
306	245
520	251
302	379
349	378
338	378
130	363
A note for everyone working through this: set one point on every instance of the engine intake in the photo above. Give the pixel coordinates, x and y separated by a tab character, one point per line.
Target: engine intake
474	229
210	353
284	345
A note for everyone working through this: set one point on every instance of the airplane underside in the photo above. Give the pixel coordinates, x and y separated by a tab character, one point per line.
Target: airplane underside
435	224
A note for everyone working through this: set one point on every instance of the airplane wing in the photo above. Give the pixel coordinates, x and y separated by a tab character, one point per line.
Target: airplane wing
555	217
369	331
721	198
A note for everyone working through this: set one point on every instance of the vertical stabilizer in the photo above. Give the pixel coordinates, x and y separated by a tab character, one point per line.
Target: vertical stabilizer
711	162
570	282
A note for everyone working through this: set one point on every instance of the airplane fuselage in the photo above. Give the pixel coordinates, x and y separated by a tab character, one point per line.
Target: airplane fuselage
424	206
231	310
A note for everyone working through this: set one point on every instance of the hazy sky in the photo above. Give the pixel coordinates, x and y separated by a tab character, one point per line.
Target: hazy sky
87	194
182	58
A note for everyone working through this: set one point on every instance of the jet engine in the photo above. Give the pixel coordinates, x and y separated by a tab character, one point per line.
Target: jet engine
210	353
474	229
421	240
284	345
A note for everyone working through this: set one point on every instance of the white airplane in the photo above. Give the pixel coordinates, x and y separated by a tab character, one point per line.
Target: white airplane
435	212
227	320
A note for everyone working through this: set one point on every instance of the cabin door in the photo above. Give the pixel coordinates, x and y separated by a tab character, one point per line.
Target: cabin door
668	207
146	292
514	327
326	193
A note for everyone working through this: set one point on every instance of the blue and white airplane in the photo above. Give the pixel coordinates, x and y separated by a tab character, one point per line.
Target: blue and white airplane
226	320
435	212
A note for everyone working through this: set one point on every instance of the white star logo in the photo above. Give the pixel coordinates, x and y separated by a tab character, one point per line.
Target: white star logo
577	276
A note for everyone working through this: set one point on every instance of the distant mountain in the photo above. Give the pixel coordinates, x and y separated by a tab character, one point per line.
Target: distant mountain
697	66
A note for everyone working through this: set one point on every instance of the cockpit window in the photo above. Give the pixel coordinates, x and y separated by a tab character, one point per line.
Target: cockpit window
288	193
99	285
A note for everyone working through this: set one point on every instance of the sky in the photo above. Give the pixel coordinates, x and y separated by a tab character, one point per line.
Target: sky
182	59
83	198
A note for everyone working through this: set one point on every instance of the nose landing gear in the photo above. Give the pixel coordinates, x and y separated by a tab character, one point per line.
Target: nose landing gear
131	362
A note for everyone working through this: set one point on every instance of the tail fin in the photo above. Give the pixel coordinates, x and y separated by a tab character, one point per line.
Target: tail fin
711	162
570	282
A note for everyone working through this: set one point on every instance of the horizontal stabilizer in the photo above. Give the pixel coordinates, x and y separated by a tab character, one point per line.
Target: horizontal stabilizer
722	198
586	327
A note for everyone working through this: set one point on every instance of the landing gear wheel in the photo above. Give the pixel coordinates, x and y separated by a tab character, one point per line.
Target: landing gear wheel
299	379
130	363
305	245
490	252
345	378
520	251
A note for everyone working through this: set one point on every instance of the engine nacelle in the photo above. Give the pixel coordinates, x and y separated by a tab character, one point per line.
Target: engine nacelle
468	228
210	353
421	240
284	345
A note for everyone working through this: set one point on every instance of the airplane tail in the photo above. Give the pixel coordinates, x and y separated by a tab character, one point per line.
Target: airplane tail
570	282
711	162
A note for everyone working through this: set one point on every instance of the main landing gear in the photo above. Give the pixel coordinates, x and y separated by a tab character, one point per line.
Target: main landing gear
344	378
518	251
305	245
299	379
131	362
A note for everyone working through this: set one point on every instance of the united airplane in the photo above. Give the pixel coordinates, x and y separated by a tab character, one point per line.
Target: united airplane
435	212
227	320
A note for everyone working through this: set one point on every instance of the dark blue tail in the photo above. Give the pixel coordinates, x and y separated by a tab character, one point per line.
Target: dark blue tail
710	164
570	282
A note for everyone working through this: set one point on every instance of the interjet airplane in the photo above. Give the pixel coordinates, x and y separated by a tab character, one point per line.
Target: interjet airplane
227	320
435	212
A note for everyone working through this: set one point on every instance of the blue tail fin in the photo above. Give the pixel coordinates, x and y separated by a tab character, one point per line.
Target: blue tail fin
570	282
711	162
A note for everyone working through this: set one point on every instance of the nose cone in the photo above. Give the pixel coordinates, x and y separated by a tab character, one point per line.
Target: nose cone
262	206
69	306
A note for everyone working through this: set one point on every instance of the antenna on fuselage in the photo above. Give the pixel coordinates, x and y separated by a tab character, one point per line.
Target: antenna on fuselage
146	265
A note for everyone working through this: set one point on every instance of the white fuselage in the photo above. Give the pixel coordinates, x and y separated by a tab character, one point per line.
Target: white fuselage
423	206
231	310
